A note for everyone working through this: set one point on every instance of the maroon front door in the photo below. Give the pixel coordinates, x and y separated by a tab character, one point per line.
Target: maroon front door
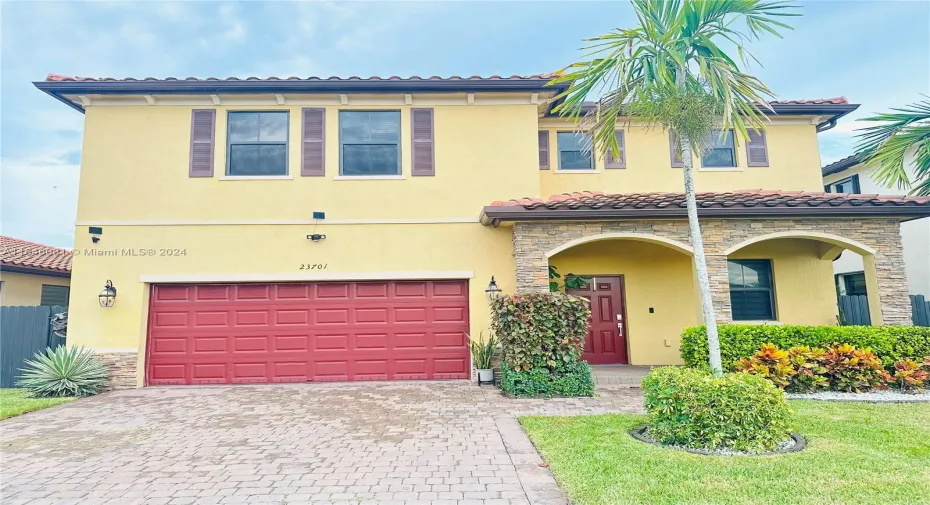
606	340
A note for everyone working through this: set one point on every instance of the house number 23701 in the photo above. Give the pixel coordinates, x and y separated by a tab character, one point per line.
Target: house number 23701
313	266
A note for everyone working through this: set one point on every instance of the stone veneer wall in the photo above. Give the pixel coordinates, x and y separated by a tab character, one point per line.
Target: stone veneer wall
532	240
122	366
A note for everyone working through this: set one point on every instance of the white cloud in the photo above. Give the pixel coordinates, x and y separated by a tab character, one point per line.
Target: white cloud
39	199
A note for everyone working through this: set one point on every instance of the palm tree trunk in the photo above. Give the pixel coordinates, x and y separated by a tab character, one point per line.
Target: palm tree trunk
700	261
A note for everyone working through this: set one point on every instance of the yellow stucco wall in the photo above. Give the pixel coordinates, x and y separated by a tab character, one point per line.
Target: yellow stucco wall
804	288
134	183
134	166
655	276
264	252
794	164
21	289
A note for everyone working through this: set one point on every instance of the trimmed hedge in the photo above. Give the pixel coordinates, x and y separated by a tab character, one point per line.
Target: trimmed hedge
542	336
569	380
540	330
736	411
738	341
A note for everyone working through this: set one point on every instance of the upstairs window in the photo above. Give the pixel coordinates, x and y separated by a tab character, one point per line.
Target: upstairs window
752	295
847	185
257	143
572	155
722	154
369	142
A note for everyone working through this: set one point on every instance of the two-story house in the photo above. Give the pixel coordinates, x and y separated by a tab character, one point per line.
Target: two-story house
849	175
275	230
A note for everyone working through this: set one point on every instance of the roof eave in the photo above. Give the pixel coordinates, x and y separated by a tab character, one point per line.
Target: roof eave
59	88
493	215
9	267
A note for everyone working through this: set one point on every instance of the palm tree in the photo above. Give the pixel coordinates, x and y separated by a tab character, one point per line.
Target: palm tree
670	71
905	130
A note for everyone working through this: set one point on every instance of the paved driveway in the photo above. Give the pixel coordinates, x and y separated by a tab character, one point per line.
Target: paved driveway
410	442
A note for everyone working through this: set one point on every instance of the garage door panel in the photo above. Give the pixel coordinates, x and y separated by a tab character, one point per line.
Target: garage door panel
170	320
292	317
207	334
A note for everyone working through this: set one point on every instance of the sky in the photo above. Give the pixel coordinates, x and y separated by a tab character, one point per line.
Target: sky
876	53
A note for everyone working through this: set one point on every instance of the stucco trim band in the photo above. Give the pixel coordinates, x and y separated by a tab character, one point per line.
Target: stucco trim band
274	222
644	237
853	245
304	276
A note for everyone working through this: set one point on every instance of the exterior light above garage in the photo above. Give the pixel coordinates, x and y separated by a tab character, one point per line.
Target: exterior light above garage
108	295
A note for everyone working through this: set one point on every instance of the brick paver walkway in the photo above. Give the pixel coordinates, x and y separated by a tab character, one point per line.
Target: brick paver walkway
410	442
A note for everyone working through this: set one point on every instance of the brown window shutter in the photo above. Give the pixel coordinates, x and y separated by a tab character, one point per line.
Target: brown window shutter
424	148
757	153
313	142
619	162
544	150
675	150
203	127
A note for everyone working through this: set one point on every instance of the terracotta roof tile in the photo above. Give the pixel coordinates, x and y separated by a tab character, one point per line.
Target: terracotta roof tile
840	100
61	78
729	199
22	253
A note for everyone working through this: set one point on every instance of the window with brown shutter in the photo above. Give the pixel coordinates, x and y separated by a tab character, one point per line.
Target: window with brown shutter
674	150
544	150
203	126
313	142
424	151
620	160
757	152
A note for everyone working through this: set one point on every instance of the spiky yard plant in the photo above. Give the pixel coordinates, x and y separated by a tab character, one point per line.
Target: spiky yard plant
482	350
671	72
64	371
905	130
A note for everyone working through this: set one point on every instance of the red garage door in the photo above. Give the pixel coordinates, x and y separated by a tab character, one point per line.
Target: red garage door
298	332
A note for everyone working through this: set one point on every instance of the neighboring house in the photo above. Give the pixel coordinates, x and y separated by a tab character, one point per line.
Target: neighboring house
848	175
33	274
286	230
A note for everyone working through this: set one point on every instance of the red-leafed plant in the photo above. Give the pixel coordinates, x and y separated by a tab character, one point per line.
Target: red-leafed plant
911	376
854	370
769	362
807	363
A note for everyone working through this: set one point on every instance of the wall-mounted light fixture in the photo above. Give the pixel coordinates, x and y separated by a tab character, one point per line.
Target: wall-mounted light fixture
108	295
493	292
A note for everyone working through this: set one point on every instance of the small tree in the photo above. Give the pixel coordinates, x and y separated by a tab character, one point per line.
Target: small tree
670	71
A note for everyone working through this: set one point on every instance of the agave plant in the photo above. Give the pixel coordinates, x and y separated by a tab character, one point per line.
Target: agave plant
64	371
482	350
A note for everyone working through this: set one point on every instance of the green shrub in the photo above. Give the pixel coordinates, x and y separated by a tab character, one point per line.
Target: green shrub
890	343
573	379
65	371
540	329
735	411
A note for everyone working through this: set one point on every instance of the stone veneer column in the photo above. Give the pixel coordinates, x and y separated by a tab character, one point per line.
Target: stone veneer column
889	274
529	251
719	287
122	366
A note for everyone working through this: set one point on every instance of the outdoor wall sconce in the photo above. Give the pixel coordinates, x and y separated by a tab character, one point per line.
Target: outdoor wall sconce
108	295
493	292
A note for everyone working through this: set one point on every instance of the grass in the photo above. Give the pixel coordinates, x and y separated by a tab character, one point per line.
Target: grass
856	453
14	402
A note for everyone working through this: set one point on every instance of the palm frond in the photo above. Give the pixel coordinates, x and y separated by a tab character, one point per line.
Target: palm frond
886	146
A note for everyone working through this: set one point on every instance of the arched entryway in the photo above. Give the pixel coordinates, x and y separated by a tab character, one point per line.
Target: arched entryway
641	290
788	277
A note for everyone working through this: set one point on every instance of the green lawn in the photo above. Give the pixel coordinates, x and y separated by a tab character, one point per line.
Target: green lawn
13	402
857	453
